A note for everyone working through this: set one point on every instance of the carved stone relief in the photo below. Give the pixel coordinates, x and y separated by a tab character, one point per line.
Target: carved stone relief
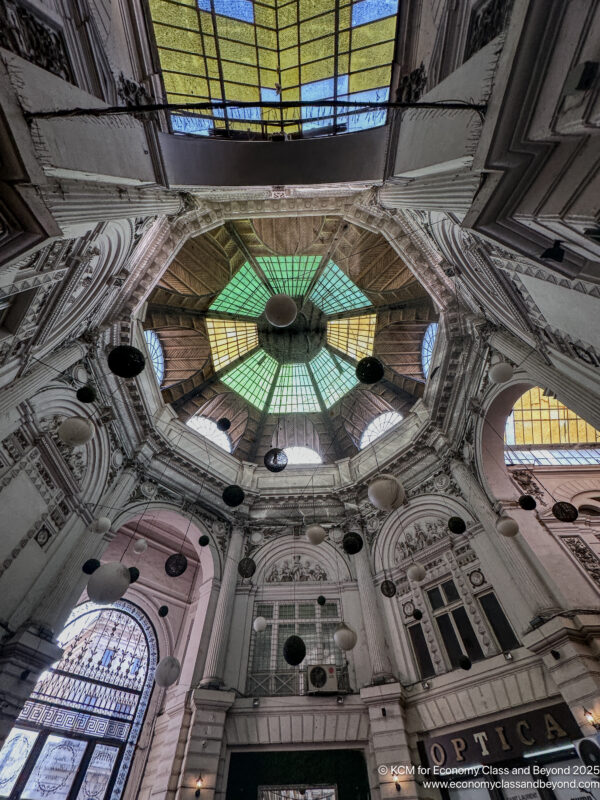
526	482
296	569
419	536
586	557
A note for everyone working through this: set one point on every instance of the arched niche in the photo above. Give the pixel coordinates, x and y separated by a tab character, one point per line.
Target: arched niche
271	556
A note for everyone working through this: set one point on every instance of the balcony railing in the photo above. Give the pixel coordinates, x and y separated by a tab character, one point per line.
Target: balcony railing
279	683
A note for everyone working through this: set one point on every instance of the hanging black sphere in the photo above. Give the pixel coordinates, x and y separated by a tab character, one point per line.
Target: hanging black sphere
565	512
388	588
352	543
203	540
134	574
163	611
126	361
417	613
275	460
294	650
527	502
247	567
223	424
233	495
369	370
457	525
91	565
175	565
86	394
464	662
321	600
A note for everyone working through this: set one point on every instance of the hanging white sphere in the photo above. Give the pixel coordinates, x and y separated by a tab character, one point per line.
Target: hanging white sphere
316	534
281	310
344	637
501	372
167	672
108	583
386	493
507	526
75	431
416	572
140	546
101	525
259	624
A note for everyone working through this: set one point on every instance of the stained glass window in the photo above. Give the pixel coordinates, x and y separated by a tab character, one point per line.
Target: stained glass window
294	391
14	754
427	347
230	339
380	425
245	294
157	356
208	428
335	292
354	336
253	378
289	274
334	376
302	455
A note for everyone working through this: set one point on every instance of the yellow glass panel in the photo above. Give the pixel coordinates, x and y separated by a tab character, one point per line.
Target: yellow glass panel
235	29
288	95
287	15
177	39
215	89
288	58
374	32
312	51
195	88
353	336
343	42
267	59
206	22
179	16
291	78
229	340
183	62
246	94
288	38
317	27
310	8
237	52
268	78
318	70
372	57
543	420
369	79
264	16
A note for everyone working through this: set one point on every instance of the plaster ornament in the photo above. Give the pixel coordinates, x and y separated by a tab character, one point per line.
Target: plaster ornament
457	525
75	431
386	493
108	583
344	637
223	424
233	496
126	361
500	372
294	650
281	310
176	565
259	624
247	567
90	566
565	512
337	534
134	574
100	525
416	572
527	502
167	672
140	546
352	543
388	588
316	534
86	394
507	526
275	460
369	370
203	540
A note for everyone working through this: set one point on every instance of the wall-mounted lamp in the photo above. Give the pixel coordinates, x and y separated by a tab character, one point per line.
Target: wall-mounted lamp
397	783
340	700
199	785
255	702
425	684
591	719
508	656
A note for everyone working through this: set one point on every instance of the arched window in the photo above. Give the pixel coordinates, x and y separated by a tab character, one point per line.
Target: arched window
157	355
302	455
542	431
76	735
208	428
427	347
378	426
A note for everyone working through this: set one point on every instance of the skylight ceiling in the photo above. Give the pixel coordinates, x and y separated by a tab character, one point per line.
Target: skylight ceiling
334	292
271	51
354	336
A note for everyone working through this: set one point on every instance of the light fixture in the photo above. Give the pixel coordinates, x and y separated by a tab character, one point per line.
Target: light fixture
397	783
425	685
340	700
255	702
199	784
554	253
508	656
591	719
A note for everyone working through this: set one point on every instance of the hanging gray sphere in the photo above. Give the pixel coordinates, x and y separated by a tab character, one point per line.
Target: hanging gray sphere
167	672
76	431
108	583
281	310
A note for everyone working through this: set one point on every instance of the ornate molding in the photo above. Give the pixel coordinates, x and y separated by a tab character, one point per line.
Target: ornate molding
288	571
586	557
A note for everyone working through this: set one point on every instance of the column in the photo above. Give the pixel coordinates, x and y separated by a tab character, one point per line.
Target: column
215	657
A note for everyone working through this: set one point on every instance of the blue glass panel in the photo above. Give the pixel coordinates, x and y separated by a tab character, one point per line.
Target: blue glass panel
156	354
236	9
335	292
321	90
369	10
369	118
427	347
333	375
198	126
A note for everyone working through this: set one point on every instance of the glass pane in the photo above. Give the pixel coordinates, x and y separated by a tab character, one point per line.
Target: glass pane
294	391
253	379
306	611
427	347
435	598
230	339
289	274
287	611
467	634
421	651
55	769
13	756
329	610
244	294
333	375
380	425
284	632
450	591
264	610
335	292
500	625
354	336
450	641
97	775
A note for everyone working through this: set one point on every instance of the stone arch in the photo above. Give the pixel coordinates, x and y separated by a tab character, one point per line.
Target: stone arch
330	559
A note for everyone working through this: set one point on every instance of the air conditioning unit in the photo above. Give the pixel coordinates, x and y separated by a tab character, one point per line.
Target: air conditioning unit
322	679
588	750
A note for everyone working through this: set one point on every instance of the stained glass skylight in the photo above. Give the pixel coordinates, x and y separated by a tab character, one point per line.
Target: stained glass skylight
294	391
157	357
335	292
208	428
253	378
354	336
378	426
334	376
289	274
230	339
245	294
302	455
427	347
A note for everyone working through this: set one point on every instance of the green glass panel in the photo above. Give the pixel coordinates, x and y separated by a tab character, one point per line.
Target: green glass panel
294	391
333	375
335	292
244	294
253	378
289	274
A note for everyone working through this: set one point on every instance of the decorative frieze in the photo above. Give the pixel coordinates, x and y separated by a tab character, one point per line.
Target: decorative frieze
586	557
488	20
419	536
296	569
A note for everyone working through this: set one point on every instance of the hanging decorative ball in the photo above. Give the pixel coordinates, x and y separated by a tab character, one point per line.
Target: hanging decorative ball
321	600
126	361
417	613
457	525
565	512
275	460
281	310
527	502
90	566
316	534
176	565
369	370
134	574
223	424
416	572
294	650
501	372
352	543
386	493
140	546
464	662
108	583
233	495
163	611
75	431
344	637
507	526
100	525
203	540
247	567
86	394
259	624
388	588
167	672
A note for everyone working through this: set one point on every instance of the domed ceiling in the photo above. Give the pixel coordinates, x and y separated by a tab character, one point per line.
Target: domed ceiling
293	386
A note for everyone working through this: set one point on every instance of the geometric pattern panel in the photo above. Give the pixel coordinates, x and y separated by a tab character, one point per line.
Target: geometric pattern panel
244	294
294	391
333	375
230	339
353	336
253	378
538	419
335	292
289	274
